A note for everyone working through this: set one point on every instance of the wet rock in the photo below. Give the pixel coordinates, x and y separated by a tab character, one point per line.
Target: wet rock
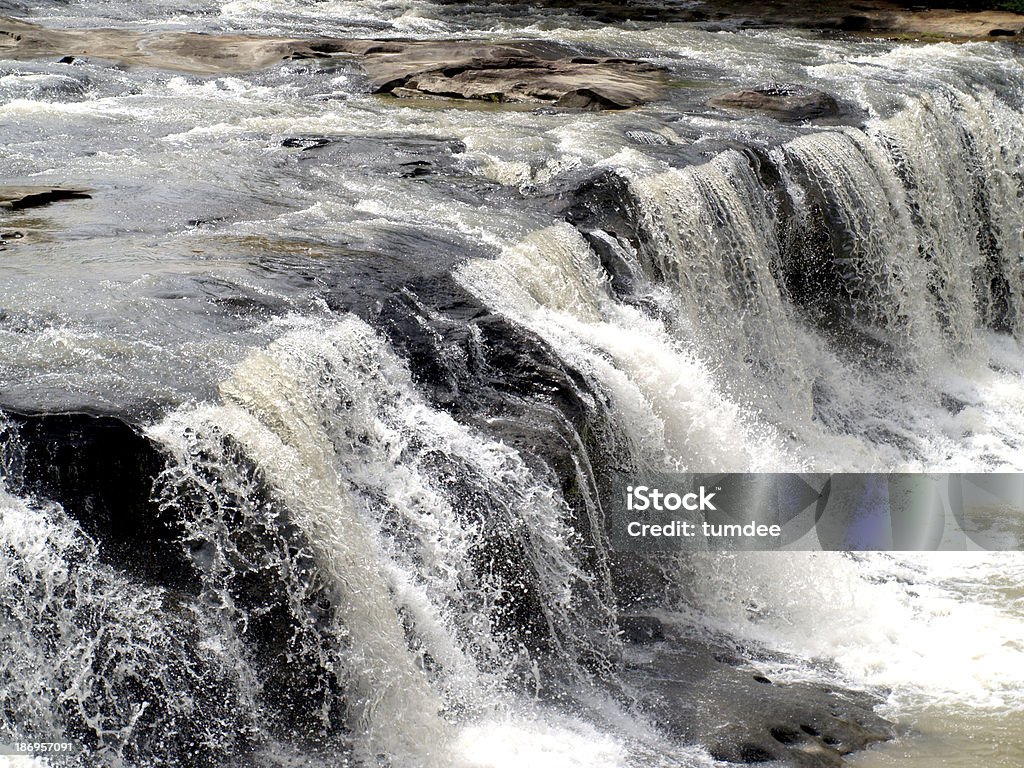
647	138
790	103
18	198
605	211
641	629
36	84
509	72
700	691
401	155
101	470
305	142
951	403
110	479
854	23
186	52
631	10
925	22
530	72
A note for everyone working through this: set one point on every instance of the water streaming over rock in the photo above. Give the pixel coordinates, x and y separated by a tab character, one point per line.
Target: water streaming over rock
382	500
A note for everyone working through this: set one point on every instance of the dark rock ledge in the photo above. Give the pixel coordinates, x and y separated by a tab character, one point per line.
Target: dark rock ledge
703	690
19	198
788	103
530	72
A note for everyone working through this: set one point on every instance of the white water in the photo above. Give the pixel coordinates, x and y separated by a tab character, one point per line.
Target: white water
88	645
943	633
270	414
332	421
916	277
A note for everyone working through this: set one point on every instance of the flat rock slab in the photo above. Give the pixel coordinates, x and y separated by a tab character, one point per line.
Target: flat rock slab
528	72
182	52
700	691
872	17
510	72
21	197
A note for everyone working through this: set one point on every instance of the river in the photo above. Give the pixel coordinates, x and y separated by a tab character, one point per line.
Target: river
381	354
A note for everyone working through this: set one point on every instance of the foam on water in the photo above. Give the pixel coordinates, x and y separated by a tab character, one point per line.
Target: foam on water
934	629
88	651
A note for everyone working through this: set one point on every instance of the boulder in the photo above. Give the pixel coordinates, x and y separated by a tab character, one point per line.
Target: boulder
789	103
510	72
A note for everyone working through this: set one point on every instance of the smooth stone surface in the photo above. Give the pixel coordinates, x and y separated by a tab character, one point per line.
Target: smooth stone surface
526	72
928	22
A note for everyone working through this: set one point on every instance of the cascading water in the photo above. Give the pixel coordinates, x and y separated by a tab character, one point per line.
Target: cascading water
384	496
404	512
900	293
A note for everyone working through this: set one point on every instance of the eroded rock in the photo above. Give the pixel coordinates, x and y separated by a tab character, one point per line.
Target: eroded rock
791	103
701	691
529	72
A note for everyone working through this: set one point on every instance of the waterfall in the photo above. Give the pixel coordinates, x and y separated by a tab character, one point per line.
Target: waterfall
118	668
660	393
849	273
384	508
405	513
271	412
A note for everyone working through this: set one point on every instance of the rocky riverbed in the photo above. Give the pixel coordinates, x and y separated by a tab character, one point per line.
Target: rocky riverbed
900	20
532	72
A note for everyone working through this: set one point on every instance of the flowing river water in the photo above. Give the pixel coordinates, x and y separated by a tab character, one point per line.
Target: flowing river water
384	399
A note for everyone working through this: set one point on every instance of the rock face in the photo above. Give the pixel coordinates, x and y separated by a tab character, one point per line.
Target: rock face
702	692
183	52
102	470
530	72
790	103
